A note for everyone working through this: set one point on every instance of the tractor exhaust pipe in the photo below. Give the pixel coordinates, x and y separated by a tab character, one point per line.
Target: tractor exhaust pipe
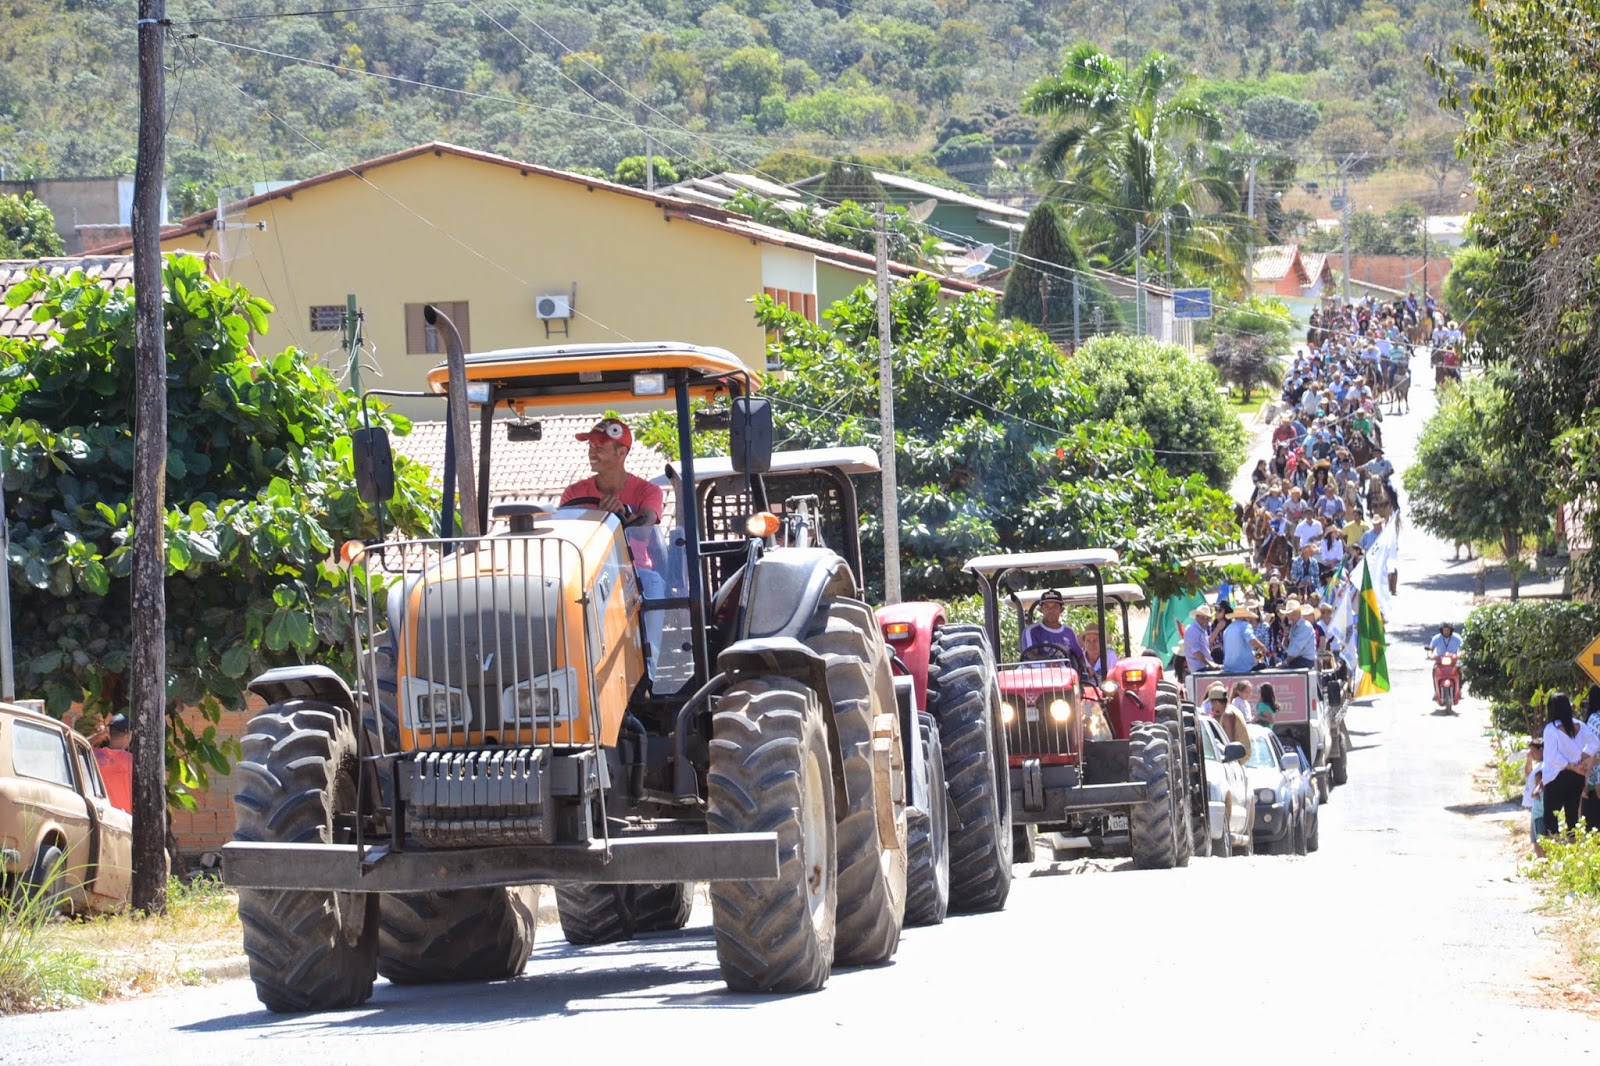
460	429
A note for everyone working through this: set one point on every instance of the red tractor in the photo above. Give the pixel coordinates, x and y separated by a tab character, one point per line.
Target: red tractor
1102	752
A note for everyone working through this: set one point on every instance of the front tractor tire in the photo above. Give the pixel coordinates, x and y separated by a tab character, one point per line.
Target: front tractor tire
475	934
928	838
872	831
307	950
1152	827
963	696
770	771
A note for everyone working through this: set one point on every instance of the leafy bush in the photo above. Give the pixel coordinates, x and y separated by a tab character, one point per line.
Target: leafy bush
1513	653
1574	865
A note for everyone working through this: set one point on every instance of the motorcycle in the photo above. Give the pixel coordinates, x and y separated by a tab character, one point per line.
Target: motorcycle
1447	680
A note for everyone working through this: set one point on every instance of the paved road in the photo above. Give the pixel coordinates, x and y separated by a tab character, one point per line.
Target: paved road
1406	937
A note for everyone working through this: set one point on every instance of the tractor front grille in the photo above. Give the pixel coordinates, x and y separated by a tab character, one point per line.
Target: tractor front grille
1041	710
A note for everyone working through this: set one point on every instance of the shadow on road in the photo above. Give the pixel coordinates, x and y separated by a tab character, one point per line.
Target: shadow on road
1474	810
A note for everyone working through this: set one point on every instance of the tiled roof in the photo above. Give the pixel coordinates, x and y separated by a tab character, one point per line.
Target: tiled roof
1315	264
1275	261
527	470
112	271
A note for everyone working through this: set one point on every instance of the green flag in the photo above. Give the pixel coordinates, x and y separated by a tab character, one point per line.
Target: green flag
1371	643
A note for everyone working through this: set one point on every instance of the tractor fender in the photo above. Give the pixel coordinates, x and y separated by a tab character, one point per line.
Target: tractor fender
786	588
304	682
913	645
788	657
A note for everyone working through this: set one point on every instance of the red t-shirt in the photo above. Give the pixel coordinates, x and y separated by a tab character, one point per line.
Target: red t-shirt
116	767
637	494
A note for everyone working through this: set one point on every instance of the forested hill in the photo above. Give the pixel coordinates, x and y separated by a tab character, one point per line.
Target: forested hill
263	90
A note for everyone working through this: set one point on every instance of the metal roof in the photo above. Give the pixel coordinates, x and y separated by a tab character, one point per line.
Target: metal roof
1042	561
1084	595
856	460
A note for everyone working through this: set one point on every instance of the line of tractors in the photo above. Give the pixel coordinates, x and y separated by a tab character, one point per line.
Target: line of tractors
561	696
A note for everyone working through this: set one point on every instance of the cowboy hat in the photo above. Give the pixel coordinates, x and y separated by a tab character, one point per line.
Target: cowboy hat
1244	613
1202	612
1217	691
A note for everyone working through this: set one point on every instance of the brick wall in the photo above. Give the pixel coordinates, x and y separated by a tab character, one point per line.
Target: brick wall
210	825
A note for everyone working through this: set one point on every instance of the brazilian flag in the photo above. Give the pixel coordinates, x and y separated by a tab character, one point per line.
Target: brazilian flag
1371	644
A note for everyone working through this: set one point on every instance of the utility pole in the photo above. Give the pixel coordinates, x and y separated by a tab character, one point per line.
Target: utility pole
1138	278
1250	232
1424	258
1166	229
886	446
649	162
1344	215
352	341
147	689
1044	300
1077	307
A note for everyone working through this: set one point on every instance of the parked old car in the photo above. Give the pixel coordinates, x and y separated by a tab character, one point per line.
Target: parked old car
59	833
1280	794
1228	799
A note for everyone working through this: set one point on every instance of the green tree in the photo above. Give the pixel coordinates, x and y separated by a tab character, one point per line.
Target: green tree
27	228
1173	397
846	180
1128	149
260	492
998	449
752	73
1048	260
634	170
1466	486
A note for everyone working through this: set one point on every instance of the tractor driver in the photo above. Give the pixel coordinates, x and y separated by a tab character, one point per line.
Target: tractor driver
1051	632
636	503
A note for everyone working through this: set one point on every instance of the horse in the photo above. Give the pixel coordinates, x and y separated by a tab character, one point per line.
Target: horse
1400	392
1381	502
1276	554
1362	449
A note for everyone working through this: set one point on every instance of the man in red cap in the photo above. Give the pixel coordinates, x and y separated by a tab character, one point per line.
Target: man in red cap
631	498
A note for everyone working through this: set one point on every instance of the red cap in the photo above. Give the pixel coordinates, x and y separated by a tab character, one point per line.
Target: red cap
609	429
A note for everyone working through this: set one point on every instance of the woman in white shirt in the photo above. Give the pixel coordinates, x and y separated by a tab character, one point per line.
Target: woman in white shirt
1569	750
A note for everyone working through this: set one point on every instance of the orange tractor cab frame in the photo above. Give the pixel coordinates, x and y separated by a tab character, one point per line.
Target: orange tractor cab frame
1091	745
569	696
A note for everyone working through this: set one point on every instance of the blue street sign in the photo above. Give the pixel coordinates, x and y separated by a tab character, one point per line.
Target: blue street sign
1191	303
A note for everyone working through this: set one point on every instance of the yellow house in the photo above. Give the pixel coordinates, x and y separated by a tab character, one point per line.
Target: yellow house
517	254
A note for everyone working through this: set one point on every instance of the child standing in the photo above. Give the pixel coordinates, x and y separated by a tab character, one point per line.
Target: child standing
1533	793
1241	699
1267	706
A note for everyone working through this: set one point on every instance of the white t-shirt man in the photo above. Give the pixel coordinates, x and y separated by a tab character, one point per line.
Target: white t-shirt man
1309	531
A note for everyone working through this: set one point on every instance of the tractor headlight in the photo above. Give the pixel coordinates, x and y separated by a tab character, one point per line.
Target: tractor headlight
548	697
1008	713
1109	688
1060	710
435	706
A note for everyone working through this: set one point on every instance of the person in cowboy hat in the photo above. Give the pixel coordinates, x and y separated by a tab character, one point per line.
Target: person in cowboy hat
1051	632
1300	651
1233	724
1196	645
1239	643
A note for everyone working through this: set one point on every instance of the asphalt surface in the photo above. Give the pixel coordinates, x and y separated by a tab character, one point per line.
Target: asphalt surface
1408	936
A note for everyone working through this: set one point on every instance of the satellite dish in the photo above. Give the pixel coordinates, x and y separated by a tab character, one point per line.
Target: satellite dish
921	212
975	261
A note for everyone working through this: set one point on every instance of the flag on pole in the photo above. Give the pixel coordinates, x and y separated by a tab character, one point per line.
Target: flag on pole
1373	645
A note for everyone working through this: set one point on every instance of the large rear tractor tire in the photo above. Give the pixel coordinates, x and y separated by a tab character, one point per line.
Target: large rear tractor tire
1152	831
662	908
1180	788
1199	810
872	831
596	914
770	771
963	697
474	934
307	950
928	838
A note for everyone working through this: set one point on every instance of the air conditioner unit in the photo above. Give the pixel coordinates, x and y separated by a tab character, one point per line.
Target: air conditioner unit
558	305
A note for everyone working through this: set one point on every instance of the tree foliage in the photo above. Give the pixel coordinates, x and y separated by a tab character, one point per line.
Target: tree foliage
1171	396
27	228
1048	261
260	490
998	448
1514	653
1468	487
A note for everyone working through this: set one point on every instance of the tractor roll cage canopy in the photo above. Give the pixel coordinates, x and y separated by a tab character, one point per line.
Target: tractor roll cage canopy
1005	575
611	374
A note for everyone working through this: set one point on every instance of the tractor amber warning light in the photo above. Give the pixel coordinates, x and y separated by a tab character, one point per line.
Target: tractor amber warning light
897	631
761	524
1133	678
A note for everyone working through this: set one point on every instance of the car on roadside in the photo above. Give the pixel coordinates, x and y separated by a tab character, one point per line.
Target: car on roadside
1228	800
1279	791
1310	794
60	835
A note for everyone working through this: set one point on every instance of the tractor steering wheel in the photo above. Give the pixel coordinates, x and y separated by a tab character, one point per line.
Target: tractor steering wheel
1045	651
629	517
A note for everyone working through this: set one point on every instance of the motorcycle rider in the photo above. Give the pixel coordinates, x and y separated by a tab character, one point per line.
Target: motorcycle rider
1444	642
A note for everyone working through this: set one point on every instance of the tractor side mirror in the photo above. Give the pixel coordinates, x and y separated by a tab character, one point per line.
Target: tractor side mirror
750	435
374	462
1234	752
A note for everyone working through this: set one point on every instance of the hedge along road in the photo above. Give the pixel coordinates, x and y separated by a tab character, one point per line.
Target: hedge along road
1407	935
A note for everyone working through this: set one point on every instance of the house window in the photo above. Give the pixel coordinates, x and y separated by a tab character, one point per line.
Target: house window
804	303
423	339
327	318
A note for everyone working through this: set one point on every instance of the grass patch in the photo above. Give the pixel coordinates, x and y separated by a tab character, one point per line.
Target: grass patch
48	961
1246	408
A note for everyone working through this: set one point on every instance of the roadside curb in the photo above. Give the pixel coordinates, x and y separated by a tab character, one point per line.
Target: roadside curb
229	969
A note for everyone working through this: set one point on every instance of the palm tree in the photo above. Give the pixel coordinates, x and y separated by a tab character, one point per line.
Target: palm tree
1130	149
